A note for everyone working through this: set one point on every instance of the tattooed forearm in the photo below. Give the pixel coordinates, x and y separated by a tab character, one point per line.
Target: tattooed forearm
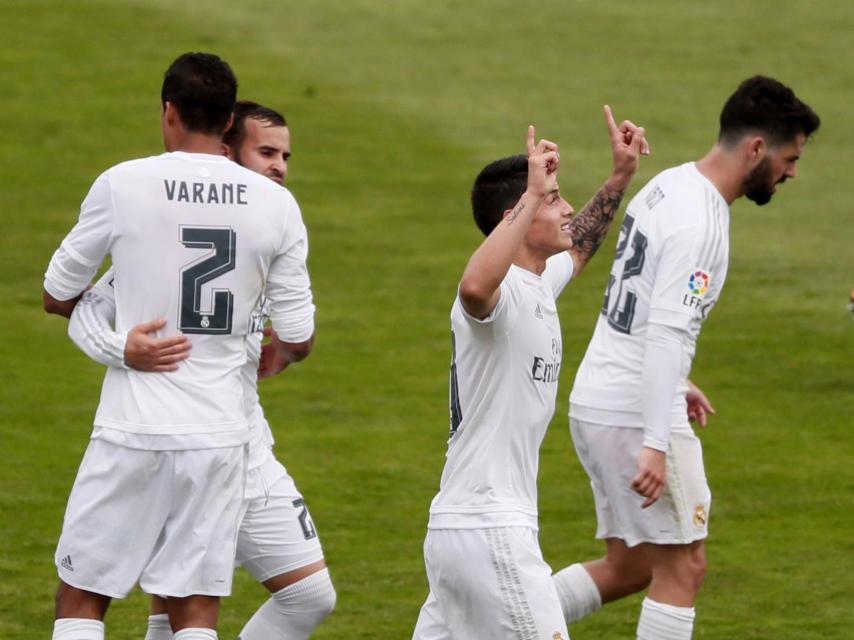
588	228
515	213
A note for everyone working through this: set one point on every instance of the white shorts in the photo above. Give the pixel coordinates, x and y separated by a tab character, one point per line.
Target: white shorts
609	455
167	519
488	583
276	534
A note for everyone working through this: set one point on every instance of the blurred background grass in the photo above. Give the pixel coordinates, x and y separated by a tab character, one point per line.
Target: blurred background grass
394	107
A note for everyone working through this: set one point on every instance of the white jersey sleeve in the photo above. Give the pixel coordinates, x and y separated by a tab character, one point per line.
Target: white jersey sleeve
75	263
91	324
662	366
680	263
288	285
503	316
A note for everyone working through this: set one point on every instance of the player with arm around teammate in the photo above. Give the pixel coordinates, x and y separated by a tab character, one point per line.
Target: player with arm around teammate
628	405
486	574
194	239
277	540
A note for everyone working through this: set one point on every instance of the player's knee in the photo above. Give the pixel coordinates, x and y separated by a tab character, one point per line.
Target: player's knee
638	579
323	597
696	567
71	602
632	572
314	596
690	571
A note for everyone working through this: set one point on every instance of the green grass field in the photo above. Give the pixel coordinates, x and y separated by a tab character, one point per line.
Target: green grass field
394	108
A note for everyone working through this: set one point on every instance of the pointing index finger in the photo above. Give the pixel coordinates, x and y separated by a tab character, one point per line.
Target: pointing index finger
609	120
531	145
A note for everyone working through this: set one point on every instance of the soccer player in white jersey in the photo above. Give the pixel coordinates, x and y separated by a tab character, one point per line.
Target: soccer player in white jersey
628	404
277	540
486	574
195	239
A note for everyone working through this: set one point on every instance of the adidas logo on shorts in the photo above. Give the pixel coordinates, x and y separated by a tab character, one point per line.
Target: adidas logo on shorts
66	563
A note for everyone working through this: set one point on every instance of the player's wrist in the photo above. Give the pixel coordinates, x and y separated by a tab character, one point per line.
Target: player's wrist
533	195
655	444
619	180
123	344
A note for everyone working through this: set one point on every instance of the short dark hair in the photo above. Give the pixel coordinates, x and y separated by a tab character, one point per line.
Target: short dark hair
766	106
202	87
247	109
497	188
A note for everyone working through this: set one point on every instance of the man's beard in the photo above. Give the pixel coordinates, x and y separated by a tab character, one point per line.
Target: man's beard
759	185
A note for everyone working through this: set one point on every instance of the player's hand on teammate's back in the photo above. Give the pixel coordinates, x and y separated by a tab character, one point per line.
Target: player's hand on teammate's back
628	143
698	405
543	163
649	481
147	353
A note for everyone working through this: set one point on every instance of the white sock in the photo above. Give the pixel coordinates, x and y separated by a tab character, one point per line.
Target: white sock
158	627
659	621
78	629
578	594
195	633
293	613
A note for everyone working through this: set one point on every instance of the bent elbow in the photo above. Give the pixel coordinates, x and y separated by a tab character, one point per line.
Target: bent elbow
472	294
52	305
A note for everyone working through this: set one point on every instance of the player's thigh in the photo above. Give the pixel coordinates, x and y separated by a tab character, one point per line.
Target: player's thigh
114	517
277	534
195	554
493	583
681	513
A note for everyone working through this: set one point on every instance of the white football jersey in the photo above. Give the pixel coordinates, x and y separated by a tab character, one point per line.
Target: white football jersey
669	269
193	238
504	376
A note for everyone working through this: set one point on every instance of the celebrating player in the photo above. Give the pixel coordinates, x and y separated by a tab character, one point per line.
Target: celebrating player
277	541
628	404
195	239
486	574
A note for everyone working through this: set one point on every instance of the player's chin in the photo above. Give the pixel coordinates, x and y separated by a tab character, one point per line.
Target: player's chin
565	240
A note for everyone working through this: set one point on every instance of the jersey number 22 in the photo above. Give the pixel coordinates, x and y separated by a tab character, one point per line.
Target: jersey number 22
619	306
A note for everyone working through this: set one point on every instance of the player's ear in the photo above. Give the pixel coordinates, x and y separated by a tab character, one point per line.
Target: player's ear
506	213
228	124
756	148
170	113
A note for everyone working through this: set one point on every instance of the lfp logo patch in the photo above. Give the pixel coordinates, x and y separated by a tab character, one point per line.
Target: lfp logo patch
698	283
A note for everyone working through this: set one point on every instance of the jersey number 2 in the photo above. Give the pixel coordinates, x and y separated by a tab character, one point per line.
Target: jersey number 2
217	318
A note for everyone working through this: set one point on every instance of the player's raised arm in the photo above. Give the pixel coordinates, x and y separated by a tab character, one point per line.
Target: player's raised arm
589	227
479	286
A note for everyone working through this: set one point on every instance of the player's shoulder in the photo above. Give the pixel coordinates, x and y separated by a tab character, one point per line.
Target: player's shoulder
674	197
140	164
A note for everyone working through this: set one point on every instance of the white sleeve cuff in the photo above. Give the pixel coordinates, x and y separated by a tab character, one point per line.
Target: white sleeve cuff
66	277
